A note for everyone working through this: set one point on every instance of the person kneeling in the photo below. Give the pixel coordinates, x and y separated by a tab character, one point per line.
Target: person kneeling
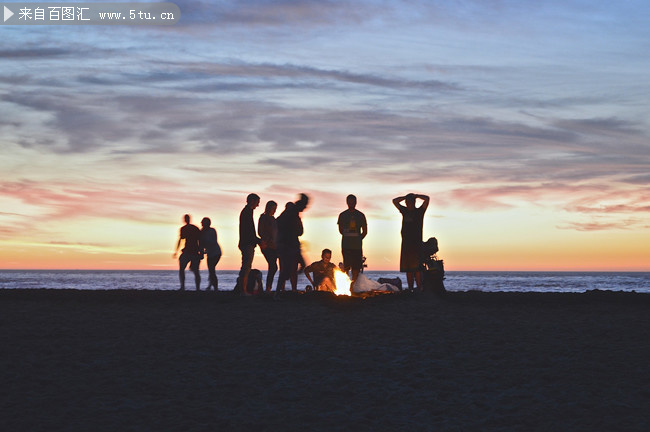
323	273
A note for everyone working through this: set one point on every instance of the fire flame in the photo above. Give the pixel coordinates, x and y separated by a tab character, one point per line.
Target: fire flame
342	282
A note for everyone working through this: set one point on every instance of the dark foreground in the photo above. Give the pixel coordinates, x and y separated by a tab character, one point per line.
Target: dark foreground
156	361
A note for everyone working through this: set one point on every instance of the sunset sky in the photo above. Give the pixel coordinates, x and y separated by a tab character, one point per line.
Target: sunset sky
527	123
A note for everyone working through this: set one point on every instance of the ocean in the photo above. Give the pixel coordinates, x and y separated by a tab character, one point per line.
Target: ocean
529	281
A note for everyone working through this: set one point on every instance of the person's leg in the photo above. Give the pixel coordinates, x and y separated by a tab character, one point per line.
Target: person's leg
409	280
215	280
211	264
418	280
295	262
182	264
194	266
271	256
282	276
326	285
355	275
346	261
355	258
246	265
301	261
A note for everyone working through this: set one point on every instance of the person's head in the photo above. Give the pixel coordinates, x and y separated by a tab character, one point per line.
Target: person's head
326	255
302	202
186	218
352	201
253	200
270	208
410	201
206	222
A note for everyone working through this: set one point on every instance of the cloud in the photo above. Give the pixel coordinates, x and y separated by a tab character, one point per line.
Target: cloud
239	76
302	72
625	224
612	200
38	53
599	126
140	200
84	123
641	179
274	14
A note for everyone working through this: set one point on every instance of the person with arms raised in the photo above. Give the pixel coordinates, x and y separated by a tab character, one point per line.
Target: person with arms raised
410	261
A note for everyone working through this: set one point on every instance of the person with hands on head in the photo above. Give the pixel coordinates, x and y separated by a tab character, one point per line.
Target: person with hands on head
412	222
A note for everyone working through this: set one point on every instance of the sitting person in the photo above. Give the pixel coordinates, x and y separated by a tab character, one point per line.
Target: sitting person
323	273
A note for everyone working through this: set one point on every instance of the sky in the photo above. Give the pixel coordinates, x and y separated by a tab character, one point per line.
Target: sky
526	122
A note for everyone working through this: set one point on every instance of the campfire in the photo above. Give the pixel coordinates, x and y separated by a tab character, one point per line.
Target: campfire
342	282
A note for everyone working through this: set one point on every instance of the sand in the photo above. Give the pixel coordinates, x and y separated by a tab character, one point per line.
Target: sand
155	361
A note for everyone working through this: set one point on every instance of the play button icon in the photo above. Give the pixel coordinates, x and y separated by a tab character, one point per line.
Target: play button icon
8	14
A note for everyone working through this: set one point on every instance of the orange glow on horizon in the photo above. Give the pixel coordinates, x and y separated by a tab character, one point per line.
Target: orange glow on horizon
510	245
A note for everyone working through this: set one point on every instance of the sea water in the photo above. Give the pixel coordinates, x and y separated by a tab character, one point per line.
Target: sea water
454	280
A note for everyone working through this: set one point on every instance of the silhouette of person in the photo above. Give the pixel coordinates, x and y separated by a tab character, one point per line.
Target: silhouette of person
289	230
191	252
323	273
210	247
248	240
410	261
353	228
267	228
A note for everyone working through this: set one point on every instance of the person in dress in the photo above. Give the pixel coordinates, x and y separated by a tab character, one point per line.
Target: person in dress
412	222
209	245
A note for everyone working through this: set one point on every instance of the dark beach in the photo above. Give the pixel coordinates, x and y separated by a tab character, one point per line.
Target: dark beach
159	360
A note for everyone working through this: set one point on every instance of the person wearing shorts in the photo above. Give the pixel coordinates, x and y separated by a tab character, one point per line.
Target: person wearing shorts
353	228
191	252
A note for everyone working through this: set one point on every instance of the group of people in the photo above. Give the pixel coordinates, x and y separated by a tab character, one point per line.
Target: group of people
198	243
279	241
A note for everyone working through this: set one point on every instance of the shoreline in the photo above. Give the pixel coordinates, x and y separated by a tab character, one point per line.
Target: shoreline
595	295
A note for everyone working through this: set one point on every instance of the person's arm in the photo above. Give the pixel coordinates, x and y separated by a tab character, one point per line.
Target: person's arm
425	204
397	201
364	228
263	230
251	232
301	230
202	243
307	271
178	245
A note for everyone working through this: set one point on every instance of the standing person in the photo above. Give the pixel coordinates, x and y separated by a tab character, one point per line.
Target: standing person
289	230
410	261
323	273
210	247
353	228
191	253
247	240
267	228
